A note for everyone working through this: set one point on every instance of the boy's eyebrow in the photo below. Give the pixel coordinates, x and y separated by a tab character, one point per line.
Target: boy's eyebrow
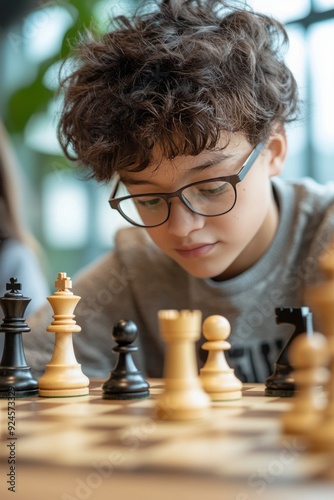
210	163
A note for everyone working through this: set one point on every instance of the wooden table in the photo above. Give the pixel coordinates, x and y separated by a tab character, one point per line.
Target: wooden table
90	448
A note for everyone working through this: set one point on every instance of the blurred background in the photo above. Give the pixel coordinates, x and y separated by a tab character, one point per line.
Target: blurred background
70	217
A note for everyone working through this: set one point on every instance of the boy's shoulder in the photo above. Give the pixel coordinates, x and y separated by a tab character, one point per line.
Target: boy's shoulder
132	236
133	240
133	254
133	245
306	194
307	214
146	263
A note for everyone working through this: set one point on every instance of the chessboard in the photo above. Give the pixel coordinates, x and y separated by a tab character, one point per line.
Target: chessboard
91	448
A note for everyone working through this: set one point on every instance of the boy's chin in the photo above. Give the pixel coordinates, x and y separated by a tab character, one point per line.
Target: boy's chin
205	273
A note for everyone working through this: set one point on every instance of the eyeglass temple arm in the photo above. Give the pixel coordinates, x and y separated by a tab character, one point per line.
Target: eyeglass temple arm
249	163
114	191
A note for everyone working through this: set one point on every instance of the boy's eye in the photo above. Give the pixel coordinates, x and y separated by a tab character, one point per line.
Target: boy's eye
212	188
148	202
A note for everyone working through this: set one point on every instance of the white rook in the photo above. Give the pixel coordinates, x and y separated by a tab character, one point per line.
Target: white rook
183	397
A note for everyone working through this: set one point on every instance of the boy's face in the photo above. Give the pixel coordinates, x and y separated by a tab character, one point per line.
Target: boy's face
224	246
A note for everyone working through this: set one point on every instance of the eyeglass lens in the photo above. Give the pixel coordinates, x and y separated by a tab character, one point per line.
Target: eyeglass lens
208	198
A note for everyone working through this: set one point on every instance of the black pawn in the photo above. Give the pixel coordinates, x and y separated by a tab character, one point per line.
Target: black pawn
281	383
125	381
16	379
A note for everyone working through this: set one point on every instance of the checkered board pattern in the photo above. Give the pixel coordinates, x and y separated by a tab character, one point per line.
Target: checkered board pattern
240	440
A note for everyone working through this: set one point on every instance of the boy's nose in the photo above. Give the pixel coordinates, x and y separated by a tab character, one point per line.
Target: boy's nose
183	221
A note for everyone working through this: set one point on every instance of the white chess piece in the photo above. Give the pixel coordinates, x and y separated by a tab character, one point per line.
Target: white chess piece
321	298
308	356
183	397
217	378
63	376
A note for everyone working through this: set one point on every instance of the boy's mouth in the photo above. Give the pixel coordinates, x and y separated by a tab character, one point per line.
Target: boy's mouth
194	251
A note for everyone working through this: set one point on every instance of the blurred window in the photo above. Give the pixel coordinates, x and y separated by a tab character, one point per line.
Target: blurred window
310	26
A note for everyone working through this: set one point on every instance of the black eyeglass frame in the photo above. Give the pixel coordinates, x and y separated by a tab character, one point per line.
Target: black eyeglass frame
233	180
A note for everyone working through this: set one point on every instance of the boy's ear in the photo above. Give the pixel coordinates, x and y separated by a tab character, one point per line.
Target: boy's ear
277	150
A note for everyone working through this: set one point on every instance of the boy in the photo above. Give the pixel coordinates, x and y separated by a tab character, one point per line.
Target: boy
184	108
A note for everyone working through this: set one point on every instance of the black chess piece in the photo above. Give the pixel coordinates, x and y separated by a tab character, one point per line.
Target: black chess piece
125	381
281	382
16	379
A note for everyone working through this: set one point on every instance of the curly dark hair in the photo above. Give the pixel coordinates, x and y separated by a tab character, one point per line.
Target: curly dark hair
176	77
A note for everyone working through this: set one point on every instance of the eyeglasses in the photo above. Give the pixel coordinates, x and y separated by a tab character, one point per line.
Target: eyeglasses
209	198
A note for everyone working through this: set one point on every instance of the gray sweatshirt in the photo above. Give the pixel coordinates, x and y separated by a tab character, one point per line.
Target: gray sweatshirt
136	279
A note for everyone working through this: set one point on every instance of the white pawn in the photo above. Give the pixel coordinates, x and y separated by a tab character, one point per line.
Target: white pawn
308	355
217	378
